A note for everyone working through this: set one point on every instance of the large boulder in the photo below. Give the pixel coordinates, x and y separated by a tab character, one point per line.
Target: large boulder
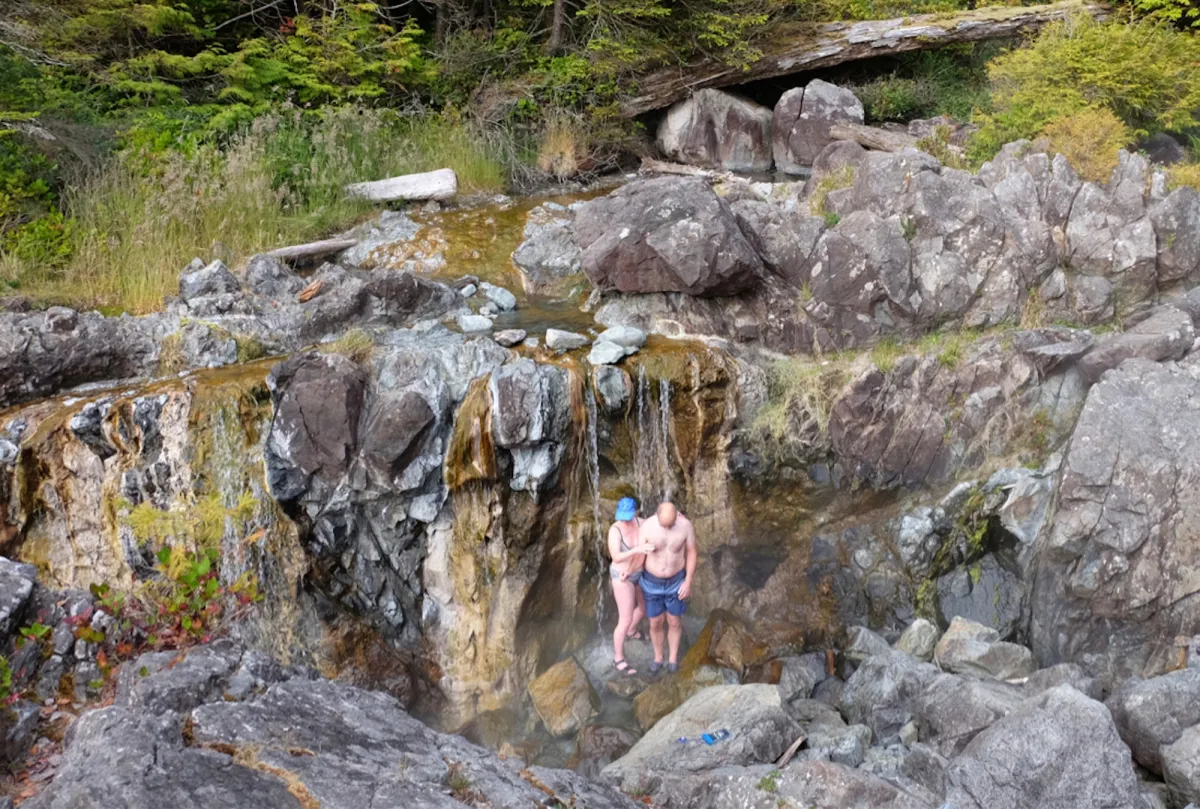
531	419
1059	750
1166	334
802	120
988	591
717	129
1151	714
665	235
548	255
971	648
953	710
1181	767
760	725
785	240
1116	579
301	744
564	698
883	693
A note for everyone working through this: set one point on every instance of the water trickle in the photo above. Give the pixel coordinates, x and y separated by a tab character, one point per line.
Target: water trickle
593	469
664	437
226	475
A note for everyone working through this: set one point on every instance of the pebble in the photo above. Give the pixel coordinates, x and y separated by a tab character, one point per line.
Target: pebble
468	290
504	300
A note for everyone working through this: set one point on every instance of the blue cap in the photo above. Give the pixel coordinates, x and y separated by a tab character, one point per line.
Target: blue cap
626	508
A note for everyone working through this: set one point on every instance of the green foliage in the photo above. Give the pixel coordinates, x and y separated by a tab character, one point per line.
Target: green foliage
1179	13
203	523
1090	140
949	81
769	782
6	677
1143	73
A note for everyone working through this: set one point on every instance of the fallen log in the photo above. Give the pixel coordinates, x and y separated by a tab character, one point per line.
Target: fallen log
799	47
652	166
326	247
440	184
871	137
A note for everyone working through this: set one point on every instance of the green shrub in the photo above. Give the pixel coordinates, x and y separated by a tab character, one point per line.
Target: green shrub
1090	140
1144	73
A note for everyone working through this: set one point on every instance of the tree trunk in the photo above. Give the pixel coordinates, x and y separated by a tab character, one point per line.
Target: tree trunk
440	184
871	137
802	47
558	27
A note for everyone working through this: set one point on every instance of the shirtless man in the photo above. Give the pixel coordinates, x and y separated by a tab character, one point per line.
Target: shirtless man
667	579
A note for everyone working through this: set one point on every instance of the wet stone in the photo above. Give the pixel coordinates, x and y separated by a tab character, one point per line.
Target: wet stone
560	340
509	337
473	324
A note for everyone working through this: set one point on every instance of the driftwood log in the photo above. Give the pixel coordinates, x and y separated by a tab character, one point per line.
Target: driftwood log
806	46
440	184
298	252
871	137
652	166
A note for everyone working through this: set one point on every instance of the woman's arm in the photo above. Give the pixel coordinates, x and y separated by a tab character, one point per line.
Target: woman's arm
614	547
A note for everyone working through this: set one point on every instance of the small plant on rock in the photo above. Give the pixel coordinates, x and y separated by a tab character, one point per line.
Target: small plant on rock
770	782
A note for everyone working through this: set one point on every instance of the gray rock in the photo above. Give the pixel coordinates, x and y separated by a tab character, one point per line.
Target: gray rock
1167	334
613	388
531	419
597	746
665	235
300	743
1176	221
16	585
509	337
919	639
560	340
215	279
883	693
272	279
1151	714
474	324
972	648
1033	759
862	643
715	128
953	710
626	336
988	592
158	682
469	290
375	237
607	353
785	240
8	451
318	404
802	120
504	300
18	723
1063	674
845	745
797	678
1181	767
1163	150
1113	582
548	255
756	716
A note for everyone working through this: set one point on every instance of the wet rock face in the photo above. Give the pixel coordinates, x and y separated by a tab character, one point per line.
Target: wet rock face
1151	714
289	742
717	129
1115	579
665	235
802	119
563	698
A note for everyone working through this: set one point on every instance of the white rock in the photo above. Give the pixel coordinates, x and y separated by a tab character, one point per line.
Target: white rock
560	340
473	324
605	352
504	300
627	336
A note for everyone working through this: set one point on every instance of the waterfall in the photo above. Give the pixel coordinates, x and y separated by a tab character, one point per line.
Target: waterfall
663	452
593	468
228	484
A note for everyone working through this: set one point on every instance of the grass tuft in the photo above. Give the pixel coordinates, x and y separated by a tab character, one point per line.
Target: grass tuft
356	345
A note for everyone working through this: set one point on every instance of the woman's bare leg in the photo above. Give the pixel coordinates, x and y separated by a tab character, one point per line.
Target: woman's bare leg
624	593
639	610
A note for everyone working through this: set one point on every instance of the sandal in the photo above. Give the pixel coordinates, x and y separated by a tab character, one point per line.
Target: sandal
623	667
655	667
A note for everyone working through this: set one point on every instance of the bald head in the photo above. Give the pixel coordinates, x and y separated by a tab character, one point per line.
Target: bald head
667	514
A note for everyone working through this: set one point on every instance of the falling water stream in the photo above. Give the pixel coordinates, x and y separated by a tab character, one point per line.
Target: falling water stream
593	469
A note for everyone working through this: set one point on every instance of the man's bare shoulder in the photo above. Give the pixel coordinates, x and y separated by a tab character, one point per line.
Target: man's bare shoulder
683	522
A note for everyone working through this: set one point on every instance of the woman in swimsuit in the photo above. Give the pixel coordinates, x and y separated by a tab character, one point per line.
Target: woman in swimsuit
628	559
